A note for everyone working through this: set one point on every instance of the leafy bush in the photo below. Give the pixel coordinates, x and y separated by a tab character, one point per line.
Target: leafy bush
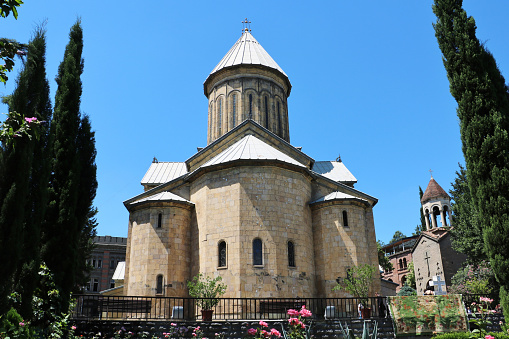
407	291
453	335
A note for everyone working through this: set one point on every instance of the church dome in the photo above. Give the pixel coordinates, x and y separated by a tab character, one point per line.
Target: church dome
247	84
433	191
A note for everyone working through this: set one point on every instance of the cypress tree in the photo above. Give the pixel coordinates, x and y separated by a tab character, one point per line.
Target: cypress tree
483	110
25	172
422	226
62	231
467	235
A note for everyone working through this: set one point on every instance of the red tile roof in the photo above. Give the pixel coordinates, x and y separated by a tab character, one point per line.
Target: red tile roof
433	191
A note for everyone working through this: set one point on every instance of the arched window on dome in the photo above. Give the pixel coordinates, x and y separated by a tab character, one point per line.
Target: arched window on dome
279	125
221	249
257	252
266	108
220	116
250	116
291	254
345	219
234	110
159	284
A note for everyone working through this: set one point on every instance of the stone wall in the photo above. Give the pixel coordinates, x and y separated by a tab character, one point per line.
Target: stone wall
244	203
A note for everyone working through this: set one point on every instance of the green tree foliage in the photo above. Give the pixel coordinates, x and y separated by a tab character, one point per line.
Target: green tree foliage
72	181
358	282
398	235
9	48
483	110
407	291
474	279
24	177
467	233
383	260
410	277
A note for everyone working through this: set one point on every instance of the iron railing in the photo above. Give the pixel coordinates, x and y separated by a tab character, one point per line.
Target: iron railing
172	308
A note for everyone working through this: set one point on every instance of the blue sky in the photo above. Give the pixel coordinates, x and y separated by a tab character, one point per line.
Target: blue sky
367	76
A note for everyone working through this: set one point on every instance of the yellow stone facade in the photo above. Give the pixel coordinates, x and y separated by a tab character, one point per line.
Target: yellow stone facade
248	183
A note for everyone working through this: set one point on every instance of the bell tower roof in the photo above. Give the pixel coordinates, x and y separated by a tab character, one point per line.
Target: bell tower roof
433	191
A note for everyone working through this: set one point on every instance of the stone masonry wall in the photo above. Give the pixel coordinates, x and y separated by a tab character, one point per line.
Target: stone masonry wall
338	248
240	204
157	251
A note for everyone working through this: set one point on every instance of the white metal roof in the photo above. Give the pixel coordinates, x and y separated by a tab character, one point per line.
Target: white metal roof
334	170
162	172
250	147
163	196
337	196
119	271
247	51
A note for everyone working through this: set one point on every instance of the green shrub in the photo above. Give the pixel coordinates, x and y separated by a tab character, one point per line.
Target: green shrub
453	335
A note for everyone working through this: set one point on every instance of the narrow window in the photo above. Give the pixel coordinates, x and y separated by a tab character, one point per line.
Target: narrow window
291	254
112	284
345	219
266	112
234	109
96	285
112	264
222	254
349	273
99	263
257	252
279	121
220	115
250	106
404	263
400	264
159	220
93	263
159	284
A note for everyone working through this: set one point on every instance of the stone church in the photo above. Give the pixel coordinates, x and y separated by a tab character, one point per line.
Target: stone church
435	261
249	207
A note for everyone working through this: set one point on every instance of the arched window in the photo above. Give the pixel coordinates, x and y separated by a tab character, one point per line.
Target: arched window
257	252
404	263
250	106
222	254
279	121
403	280
291	254
159	284
220	115
345	219
400	264
159	220
266	106
234	110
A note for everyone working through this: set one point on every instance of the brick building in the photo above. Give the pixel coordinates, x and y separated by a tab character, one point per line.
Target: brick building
249	207
106	255
400	256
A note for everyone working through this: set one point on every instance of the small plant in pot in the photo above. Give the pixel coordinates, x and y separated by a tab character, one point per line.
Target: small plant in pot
357	283
206	290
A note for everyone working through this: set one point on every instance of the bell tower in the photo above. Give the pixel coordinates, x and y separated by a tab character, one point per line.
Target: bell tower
436	202
247	84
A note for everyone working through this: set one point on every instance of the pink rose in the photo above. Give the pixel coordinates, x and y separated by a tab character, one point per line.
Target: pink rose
294	321
251	331
305	313
275	332
21	324
293	312
489	337
263	324
265	333
73	327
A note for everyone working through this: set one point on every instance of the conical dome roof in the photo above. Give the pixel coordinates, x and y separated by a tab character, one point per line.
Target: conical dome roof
433	191
247	51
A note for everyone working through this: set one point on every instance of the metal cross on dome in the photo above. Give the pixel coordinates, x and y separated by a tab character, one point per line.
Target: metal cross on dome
246	25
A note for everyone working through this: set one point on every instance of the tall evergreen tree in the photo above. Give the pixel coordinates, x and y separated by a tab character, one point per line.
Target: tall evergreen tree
62	229
483	110
422	226
467	235
25	168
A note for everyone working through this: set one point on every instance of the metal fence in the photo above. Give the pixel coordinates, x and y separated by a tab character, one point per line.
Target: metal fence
172	308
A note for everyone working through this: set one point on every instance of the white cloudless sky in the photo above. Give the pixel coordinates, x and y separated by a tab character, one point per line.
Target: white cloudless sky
367	76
